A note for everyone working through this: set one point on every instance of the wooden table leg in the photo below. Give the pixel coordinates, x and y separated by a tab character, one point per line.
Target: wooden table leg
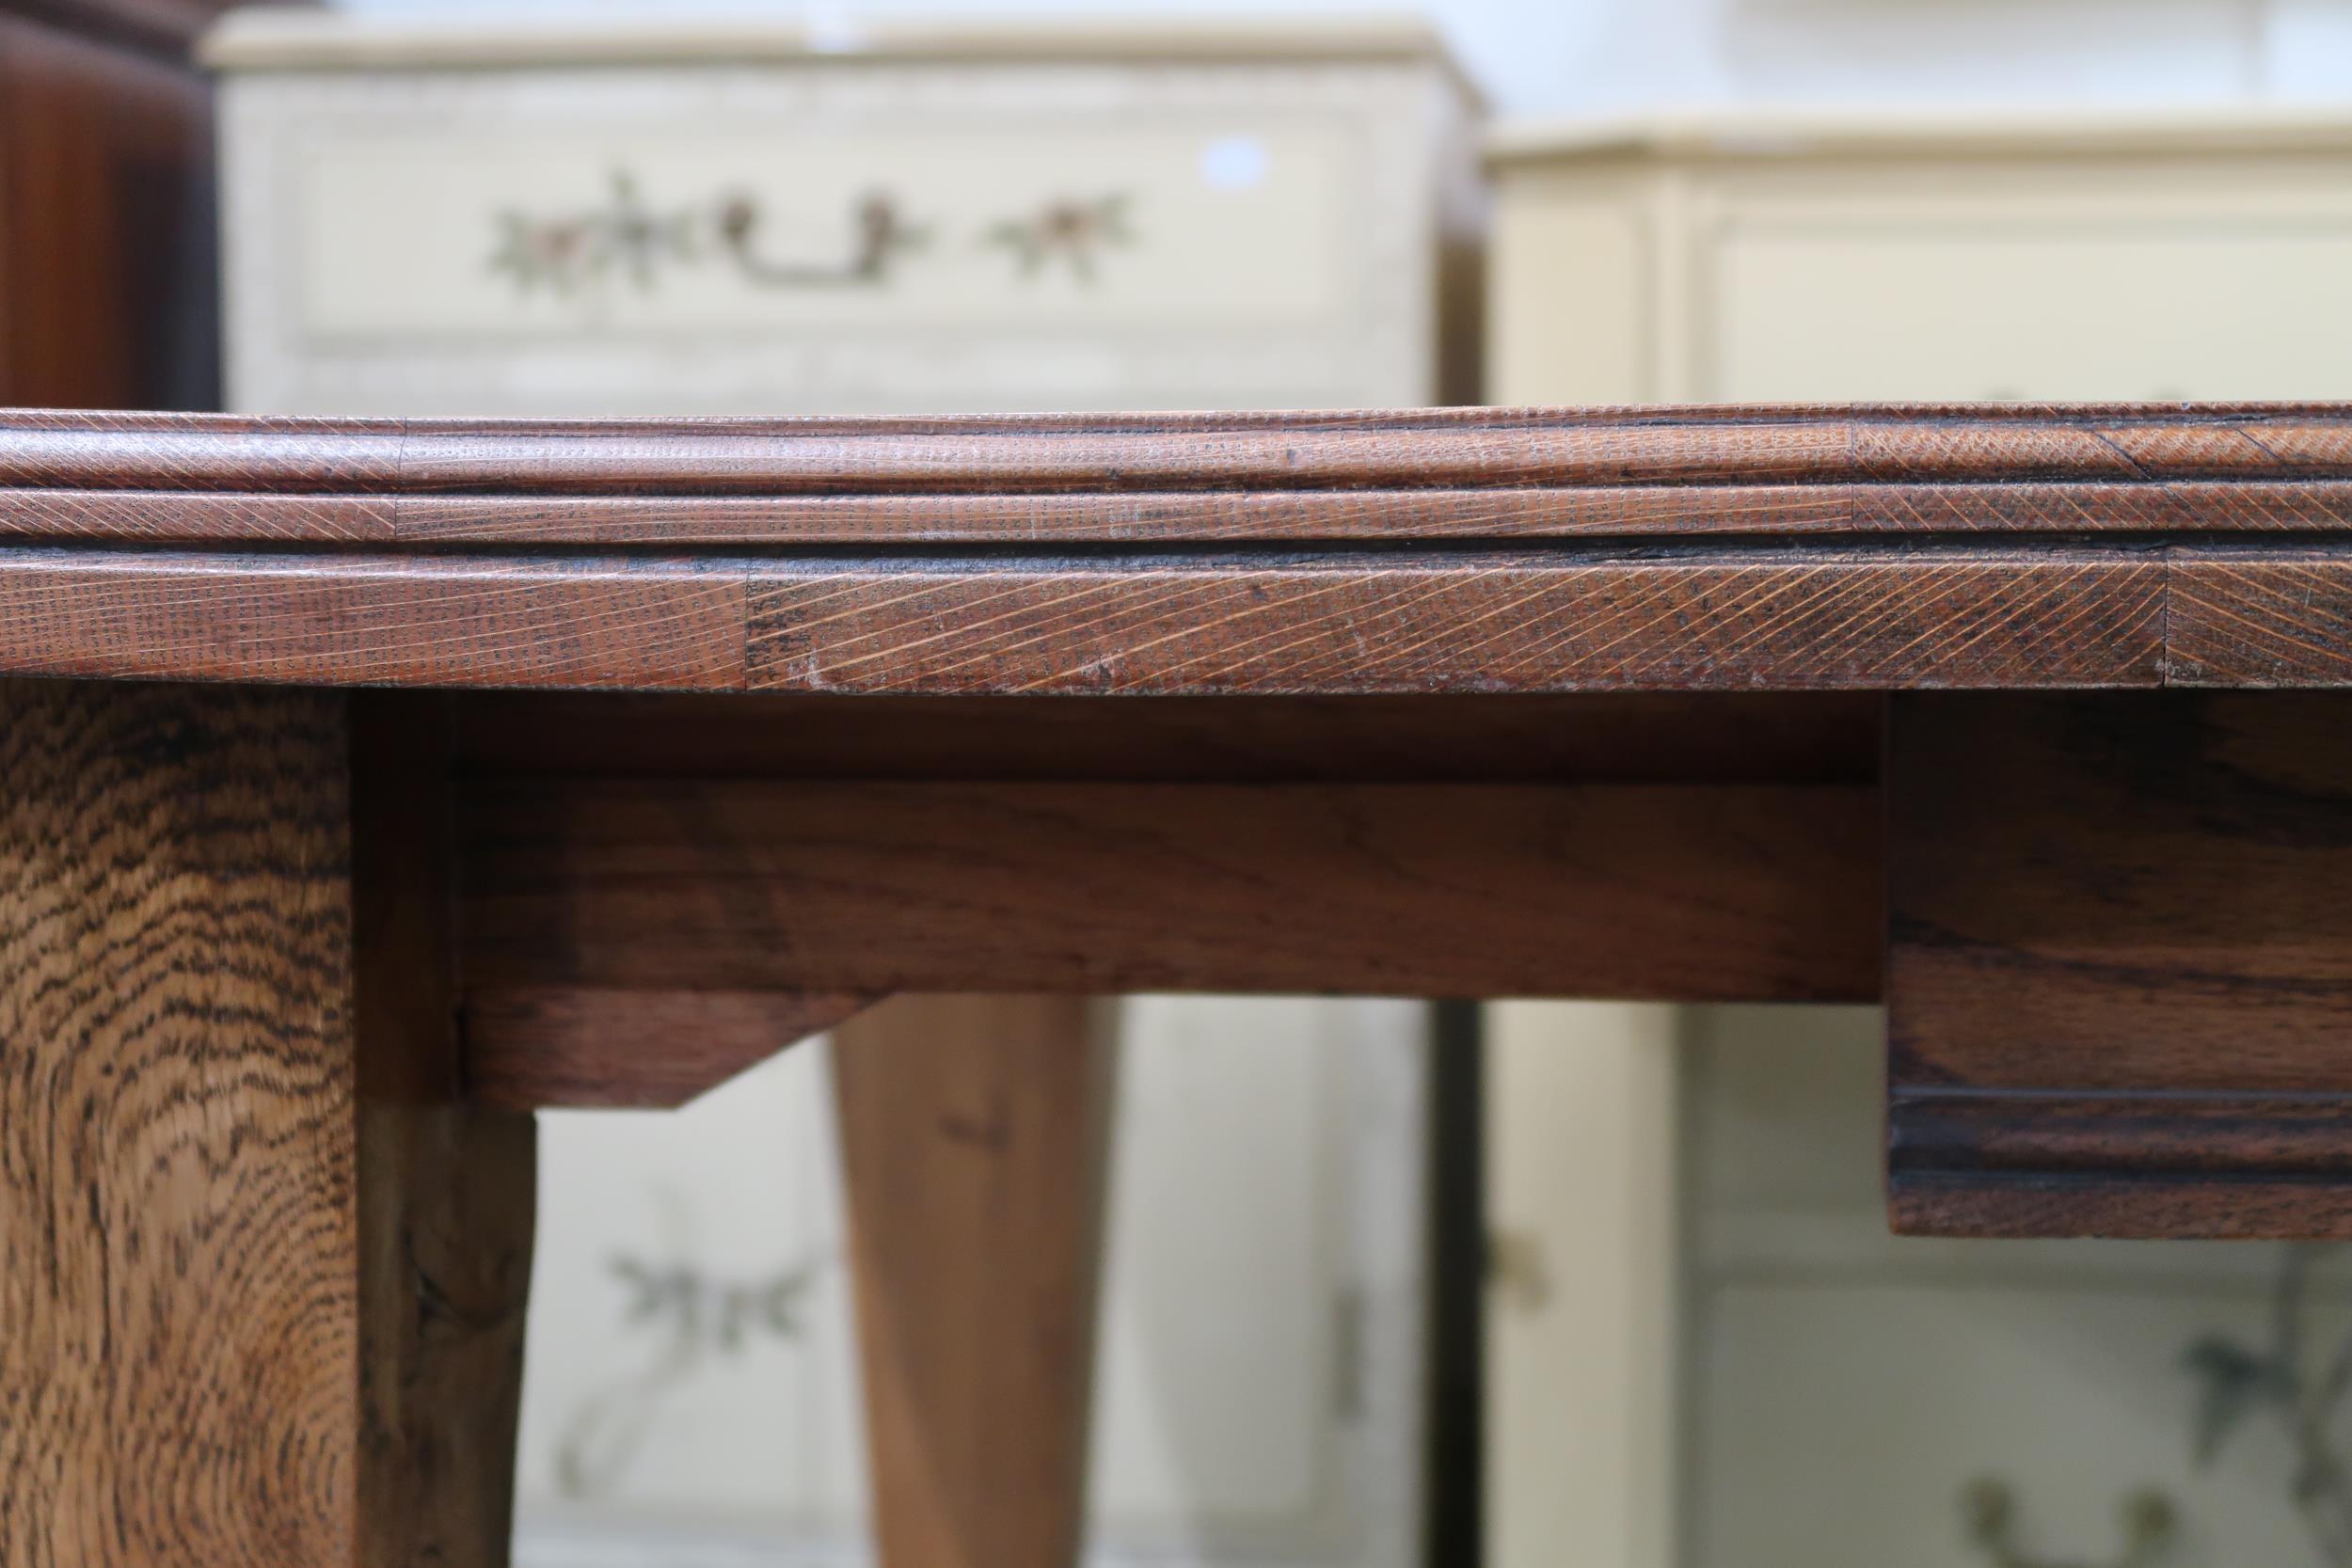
972	1134
261	1278
2120	974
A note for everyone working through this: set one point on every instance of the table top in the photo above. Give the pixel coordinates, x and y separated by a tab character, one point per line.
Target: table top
1429	552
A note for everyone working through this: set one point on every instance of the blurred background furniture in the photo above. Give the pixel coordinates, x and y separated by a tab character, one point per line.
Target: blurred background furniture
108	293
844	219
1826	257
1703	1347
441	218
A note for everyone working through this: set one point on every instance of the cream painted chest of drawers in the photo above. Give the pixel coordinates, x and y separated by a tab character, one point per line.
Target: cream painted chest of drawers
1703	1349
844	219
1784	257
754	219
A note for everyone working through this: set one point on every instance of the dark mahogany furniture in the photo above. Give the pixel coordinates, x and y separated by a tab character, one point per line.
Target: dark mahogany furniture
570	764
106	275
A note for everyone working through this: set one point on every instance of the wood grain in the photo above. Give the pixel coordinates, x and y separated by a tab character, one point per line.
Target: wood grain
2120	964
447	1196
177	1099
1169	517
232	517
2239	619
662	624
1680	892
973	1133
1418	552
262	1279
1697	513
1153	453
596	1047
1597	737
2056	619
1517	624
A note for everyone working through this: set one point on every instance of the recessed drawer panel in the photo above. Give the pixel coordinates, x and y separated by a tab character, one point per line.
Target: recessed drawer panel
2176	308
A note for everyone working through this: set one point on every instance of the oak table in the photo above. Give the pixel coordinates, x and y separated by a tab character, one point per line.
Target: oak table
389	782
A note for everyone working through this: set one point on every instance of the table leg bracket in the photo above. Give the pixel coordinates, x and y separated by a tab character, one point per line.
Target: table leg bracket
2119	965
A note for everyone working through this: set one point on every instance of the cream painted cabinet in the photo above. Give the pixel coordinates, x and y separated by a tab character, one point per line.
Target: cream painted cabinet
1696	1298
848	219
750	219
1835	260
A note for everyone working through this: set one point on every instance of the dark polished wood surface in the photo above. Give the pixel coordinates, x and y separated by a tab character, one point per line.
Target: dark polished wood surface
2121	967
1426	552
107	246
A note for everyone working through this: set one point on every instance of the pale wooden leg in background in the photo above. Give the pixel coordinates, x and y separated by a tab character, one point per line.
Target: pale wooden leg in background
261	1278
974	1134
